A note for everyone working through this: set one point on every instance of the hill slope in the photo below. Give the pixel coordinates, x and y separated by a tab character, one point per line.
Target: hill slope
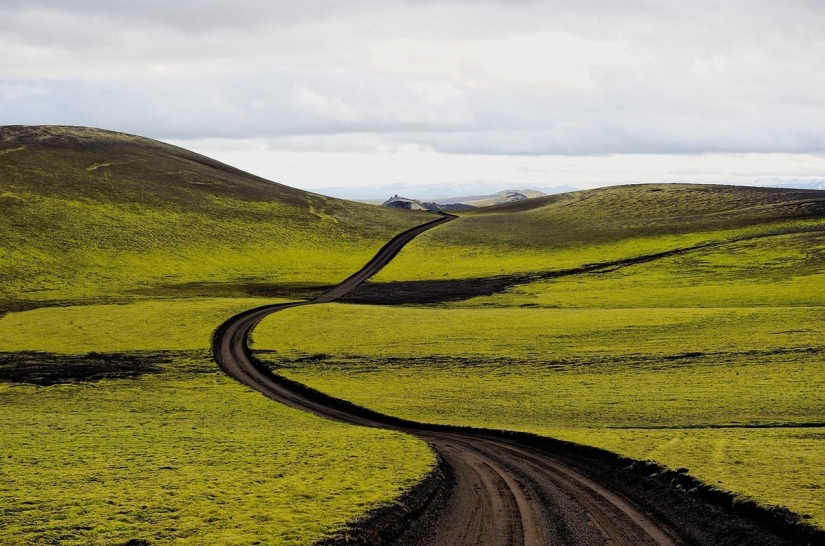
87	213
571	229
705	354
117	425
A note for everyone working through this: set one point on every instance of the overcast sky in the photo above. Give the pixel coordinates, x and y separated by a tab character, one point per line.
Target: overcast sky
464	94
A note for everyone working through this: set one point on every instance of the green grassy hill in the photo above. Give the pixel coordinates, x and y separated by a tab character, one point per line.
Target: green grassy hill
568	230
119	256
86	213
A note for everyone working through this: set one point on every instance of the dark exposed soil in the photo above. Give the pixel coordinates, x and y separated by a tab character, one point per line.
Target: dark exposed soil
301	291
436	291
17	306
45	369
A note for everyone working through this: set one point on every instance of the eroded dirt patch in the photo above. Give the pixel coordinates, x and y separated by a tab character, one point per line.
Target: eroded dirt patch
410	292
45	369
252	289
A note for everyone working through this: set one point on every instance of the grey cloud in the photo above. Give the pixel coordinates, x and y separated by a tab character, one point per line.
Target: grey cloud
196	15
693	77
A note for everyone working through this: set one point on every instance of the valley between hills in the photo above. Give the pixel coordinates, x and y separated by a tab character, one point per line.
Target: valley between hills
631	365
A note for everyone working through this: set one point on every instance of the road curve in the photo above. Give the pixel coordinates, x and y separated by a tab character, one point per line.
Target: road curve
504	493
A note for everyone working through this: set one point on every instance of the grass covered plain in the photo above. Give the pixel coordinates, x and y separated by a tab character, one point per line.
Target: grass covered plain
178	454
777	271
166	449
711	360
177	325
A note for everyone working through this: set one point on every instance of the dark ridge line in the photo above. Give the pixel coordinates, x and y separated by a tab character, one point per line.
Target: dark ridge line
45	369
630	360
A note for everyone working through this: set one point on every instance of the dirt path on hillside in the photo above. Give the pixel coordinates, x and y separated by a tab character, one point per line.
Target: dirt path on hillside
494	487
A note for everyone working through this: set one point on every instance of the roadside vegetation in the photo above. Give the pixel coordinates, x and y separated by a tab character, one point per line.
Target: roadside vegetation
119	256
711	359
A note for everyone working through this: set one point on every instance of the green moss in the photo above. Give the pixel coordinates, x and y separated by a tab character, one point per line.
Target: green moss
579	374
92	214
774	466
670	360
181	454
176	325
785	270
728	335
569	230
186	459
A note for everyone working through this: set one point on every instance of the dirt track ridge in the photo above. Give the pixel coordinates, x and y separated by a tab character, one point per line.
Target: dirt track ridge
500	488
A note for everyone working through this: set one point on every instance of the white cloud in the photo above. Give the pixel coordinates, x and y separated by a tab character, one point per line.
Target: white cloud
306	102
15	91
490	78
312	165
546	59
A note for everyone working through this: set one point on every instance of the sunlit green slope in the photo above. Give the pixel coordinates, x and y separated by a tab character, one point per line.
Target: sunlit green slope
568	230
119	256
709	358
121	427
90	213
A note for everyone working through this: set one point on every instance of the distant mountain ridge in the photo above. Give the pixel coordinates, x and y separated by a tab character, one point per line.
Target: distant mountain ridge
462	203
498	198
811	185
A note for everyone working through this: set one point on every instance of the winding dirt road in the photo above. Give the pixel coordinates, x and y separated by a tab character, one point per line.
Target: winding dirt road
502	492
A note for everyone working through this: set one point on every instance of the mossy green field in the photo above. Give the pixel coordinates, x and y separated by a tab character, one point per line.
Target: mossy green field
187	458
87	213
155	325
178	452
120	256
710	359
569	230
116	423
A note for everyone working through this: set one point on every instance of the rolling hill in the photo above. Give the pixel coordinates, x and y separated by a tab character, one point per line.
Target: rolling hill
119	256
676	323
87	213
680	324
572	229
